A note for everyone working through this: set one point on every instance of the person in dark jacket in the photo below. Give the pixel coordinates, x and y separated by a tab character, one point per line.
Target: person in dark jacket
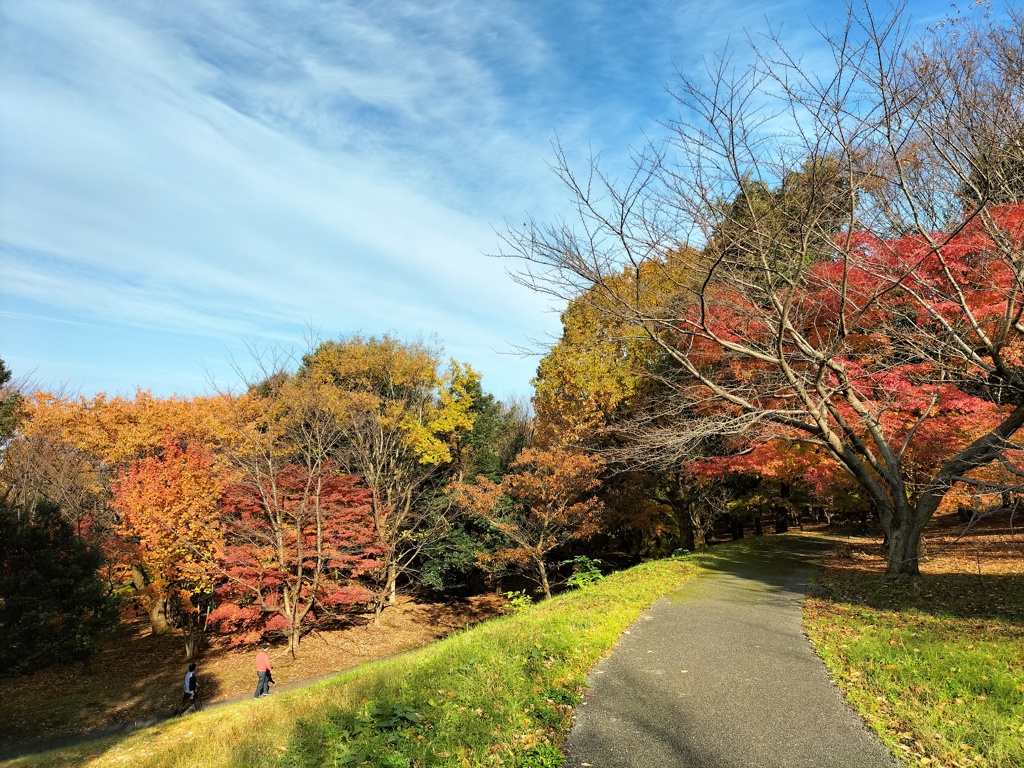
190	696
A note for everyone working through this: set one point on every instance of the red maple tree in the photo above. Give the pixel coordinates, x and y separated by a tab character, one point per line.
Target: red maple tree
295	545
900	358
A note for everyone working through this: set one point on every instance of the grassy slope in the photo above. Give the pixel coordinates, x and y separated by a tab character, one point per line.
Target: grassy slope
499	694
137	675
937	669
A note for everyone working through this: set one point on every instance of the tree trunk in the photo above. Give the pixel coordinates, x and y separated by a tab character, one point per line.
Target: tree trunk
542	569
700	540
687	539
902	555
158	623
194	629
157	608
391	584
736	525
757	526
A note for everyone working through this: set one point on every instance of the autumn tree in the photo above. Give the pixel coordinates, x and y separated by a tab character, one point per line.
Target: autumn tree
401	421
296	529
544	503
167	511
883	328
43	463
71	450
295	545
600	389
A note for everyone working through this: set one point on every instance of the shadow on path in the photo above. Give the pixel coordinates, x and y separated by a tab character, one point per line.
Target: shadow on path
719	673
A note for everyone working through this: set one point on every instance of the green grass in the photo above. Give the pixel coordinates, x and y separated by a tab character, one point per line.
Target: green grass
499	694
937	669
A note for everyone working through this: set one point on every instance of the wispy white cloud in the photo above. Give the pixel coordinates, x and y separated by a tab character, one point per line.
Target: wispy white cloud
176	177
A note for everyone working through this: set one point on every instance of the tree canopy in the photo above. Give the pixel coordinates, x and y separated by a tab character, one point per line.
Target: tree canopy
844	297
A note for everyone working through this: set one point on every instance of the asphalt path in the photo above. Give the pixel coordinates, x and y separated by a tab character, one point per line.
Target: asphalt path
719	674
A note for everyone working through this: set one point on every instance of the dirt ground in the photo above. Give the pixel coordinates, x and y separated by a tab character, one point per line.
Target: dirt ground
138	675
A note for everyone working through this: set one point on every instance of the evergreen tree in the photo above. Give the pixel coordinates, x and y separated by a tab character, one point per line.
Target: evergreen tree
53	605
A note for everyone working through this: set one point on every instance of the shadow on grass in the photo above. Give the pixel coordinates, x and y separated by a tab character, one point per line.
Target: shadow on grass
155	698
782	563
943	595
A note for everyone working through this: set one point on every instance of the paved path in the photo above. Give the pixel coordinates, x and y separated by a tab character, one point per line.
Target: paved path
720	674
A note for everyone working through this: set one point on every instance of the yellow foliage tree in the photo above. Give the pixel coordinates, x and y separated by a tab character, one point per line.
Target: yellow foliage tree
401	419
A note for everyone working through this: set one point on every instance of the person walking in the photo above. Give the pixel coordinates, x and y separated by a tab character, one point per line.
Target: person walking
190	696
264	678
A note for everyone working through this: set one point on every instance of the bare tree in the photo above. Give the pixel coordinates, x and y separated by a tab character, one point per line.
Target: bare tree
848	254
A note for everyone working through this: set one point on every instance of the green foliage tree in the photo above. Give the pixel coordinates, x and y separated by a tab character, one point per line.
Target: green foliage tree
500	432
10	404
785	224
53	605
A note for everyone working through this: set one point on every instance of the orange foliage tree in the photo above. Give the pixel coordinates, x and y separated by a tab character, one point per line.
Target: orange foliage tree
167	513
72	450
545	502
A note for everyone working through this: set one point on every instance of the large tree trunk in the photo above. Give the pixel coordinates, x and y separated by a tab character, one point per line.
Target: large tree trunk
158	617
903	528
700	539
687	538
902	559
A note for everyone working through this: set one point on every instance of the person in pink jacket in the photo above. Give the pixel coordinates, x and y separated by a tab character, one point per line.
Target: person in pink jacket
264	678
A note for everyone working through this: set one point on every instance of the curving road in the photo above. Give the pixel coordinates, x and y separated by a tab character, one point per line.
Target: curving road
719	674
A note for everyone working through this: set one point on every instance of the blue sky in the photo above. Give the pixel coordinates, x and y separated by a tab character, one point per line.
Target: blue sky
180	179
